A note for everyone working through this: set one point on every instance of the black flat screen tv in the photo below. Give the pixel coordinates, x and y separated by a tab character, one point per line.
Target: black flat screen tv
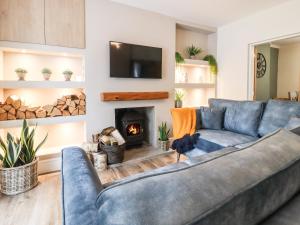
135	61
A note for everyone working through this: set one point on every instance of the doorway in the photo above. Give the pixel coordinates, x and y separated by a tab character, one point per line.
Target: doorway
275	70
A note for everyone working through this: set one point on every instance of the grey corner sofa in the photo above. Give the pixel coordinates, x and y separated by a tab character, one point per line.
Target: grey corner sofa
258	183
244	122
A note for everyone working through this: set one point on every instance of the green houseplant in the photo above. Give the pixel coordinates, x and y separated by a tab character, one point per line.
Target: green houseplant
18	160
46	73
178	57
21	73
68	74
193	51
212	63
178	99
164	134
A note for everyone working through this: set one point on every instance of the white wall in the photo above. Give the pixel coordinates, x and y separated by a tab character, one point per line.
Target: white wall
186	38
233	41
107	21
288	69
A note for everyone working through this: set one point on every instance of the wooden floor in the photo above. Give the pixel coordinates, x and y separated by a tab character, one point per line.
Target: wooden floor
42	205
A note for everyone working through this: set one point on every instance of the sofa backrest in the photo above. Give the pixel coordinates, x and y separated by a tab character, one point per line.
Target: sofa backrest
239	187
240	116
277	114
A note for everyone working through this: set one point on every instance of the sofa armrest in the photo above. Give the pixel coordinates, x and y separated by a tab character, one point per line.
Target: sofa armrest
80	187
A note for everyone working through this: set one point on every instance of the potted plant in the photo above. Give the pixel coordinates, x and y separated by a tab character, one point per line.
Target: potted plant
193	51
178	99
212	63
68	74
46	73
164	133
18	162
21	73
178	57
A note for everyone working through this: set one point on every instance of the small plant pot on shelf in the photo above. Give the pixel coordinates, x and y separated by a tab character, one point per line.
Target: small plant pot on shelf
46	76
67	77
164	145
20	179
178	104
21	75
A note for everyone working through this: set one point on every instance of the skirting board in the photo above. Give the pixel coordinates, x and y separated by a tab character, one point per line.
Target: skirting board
49	165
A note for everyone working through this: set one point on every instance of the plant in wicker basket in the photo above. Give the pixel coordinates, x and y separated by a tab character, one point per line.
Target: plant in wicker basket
18	171
164	134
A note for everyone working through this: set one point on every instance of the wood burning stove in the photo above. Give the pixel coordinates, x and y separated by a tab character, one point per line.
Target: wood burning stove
131	124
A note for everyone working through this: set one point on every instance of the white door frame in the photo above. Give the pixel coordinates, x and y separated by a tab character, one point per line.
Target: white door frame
251	55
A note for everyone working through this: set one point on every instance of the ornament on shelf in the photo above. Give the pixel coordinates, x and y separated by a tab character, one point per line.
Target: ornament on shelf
68	74
46	73
21	73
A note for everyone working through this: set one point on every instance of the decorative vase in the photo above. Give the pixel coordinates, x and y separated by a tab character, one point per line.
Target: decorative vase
46	76
164	145
21	75
19	179
178	104
68	77
192	57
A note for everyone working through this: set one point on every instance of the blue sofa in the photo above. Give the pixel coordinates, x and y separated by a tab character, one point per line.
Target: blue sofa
257	183
244	123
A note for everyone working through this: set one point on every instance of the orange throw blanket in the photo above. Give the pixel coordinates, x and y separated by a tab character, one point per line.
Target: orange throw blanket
184	121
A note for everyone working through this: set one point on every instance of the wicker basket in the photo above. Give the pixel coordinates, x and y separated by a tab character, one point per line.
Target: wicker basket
115	154
17	180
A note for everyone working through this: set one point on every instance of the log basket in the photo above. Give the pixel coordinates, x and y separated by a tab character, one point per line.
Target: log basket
115	153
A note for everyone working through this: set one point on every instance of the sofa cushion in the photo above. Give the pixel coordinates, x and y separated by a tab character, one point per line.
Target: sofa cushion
239	187
277	114
240	116
224	138
211	118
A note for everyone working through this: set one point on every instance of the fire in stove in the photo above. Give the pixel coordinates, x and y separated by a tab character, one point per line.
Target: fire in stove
133	129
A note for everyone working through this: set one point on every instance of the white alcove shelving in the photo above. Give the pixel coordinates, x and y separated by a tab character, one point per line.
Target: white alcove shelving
63	131
193	77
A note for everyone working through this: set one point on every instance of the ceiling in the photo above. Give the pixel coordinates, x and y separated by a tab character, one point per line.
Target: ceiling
212	13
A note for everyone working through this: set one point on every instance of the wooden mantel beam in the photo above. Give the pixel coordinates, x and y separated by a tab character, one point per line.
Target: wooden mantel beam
132	96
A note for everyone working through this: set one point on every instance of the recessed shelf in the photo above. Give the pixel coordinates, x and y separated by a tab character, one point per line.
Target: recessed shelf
43	121
194	85
195	62
41	84
49	152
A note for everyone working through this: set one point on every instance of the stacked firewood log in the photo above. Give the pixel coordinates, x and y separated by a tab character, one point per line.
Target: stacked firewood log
69	105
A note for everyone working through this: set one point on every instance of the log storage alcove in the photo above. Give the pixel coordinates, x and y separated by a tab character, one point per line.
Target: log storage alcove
132	96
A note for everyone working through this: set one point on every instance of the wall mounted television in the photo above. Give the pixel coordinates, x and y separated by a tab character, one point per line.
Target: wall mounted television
135	61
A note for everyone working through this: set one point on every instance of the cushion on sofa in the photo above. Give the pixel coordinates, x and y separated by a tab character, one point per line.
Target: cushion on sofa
240	116
277	114
239	187
225	138
210	118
